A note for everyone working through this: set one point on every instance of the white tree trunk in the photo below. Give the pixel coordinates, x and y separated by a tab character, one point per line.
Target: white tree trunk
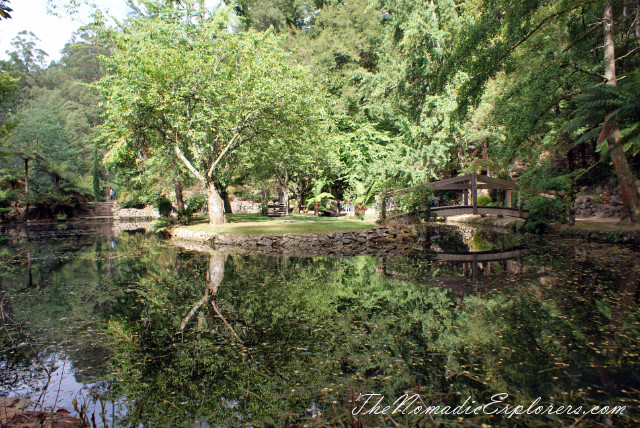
216	205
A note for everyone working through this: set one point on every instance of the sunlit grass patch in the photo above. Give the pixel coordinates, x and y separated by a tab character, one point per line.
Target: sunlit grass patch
243	224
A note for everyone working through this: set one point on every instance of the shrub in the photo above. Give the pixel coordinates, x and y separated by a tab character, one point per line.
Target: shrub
197	202
185	216
484	200
134	202
544	211
164	207
6	199
160	227
417	201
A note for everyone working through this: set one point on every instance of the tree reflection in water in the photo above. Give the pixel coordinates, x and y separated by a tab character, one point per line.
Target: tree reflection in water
243	339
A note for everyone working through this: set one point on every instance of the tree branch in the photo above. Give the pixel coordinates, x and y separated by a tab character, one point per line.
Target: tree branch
226	149
188	164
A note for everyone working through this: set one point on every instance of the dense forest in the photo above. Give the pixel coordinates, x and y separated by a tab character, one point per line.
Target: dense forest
313	97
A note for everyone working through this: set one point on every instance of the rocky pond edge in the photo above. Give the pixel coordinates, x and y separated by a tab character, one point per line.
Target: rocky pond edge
378	241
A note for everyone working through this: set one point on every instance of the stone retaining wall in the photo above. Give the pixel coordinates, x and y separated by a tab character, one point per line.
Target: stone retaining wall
380	241
133	213
608	206
607	202
244	206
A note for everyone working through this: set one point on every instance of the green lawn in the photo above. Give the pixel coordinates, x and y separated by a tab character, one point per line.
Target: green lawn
256	224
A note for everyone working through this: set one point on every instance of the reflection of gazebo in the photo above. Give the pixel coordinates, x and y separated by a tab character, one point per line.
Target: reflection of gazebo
471	281
470	184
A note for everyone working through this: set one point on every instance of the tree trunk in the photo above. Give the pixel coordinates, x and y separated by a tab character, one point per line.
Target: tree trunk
225	200
283	190
383	208
178	190
297	205
215	204
215	273
96	174
638	19
284	197
630	200
26	176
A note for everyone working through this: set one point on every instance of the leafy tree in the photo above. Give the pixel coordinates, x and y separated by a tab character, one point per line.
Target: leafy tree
50	123
201	93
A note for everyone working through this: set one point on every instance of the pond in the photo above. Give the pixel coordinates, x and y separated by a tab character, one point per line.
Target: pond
128	330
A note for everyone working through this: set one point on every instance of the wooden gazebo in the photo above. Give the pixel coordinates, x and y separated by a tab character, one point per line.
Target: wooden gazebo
470	184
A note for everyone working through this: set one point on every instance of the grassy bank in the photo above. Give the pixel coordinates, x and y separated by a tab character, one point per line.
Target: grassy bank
256	224
601	230
604	225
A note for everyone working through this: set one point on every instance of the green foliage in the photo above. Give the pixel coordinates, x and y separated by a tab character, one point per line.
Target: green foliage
197	203
334	325
48	121
97	191
484	200
132	201
160	227
185	216
549	193
6	199
545	177
543	211
417	201
322	199
252	196
606	104
200	93
164	206
481	243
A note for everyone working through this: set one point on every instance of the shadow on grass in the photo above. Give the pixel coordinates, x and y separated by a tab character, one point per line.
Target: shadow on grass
259	218
232	218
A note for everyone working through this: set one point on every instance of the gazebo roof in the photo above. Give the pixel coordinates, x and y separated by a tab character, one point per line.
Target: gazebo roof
463	182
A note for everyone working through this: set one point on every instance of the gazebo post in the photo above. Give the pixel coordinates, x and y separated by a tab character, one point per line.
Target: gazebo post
474	192
474	271
508	199
465	197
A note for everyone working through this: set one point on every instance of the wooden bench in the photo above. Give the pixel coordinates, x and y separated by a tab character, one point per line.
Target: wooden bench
276	210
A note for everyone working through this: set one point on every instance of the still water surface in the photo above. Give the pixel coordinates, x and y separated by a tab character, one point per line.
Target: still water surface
136	331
